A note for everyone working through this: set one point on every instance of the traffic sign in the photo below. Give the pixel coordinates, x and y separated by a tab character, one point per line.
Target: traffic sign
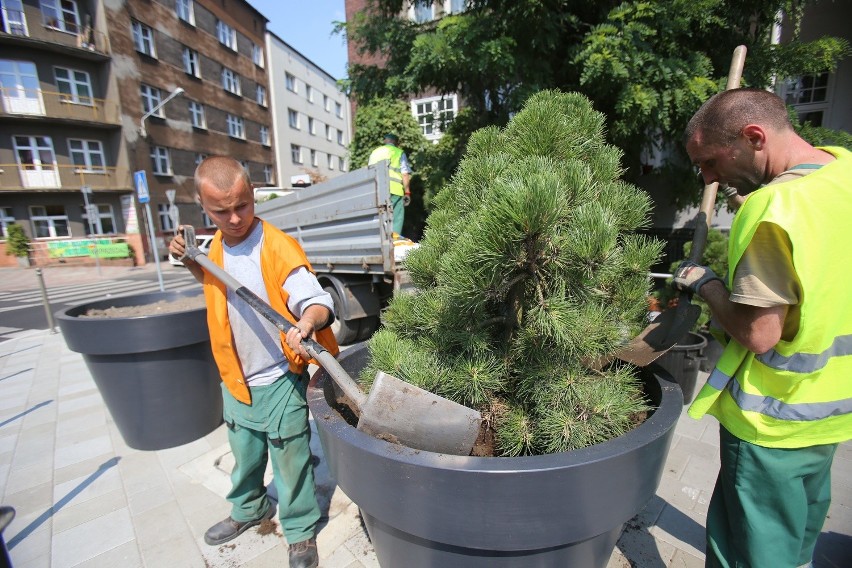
170	195
141	181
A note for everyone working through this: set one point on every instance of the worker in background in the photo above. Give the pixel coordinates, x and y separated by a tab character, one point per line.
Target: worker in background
781	390
264	371
400	177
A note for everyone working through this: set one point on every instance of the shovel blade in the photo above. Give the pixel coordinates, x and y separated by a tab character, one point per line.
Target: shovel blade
661	335
399	412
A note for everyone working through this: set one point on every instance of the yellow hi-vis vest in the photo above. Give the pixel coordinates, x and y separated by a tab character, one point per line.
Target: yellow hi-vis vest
799	393
394	156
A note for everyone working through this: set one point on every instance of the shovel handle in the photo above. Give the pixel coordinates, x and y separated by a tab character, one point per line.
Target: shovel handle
708	198
315	350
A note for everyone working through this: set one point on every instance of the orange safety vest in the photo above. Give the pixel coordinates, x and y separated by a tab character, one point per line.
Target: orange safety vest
279	256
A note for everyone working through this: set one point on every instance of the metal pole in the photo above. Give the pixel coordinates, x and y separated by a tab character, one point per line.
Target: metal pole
89	211
154	250
47	310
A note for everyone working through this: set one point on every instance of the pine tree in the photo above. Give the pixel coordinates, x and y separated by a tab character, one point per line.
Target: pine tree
529	266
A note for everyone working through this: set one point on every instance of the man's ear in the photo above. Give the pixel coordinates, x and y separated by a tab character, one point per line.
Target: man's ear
756	136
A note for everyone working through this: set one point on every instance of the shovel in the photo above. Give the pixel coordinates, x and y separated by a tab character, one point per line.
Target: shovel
673	324
394	410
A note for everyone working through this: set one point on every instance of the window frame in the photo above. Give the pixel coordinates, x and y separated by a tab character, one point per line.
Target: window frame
7	217
257	55
296	154
98	220
87	152
138	31
73	85
50	219
151	100
59	16
263	135
163	214
161	158
236	126
290	82
197	115
226	34
232	78
185	11
433	128
191	62
260	96
293	119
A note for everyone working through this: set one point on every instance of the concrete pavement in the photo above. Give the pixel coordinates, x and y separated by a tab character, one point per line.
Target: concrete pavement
83	498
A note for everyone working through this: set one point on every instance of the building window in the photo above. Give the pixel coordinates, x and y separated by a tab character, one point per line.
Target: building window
196	115
455	6
103	222
267	173
14	21
290	82
236	127
296	153
61	15
340	164
328	130
326	103
314	158
421	11
143	38
75	86
6	219
309	93
264	135
21	88
311	127
330	162
231	82
87	155
161	163
151	98
49	221
340	137
245	165
257	55
808	95
434	114
165	220
199	158
191	63
338	110
293	118
260	95
36	161
186	11
226	34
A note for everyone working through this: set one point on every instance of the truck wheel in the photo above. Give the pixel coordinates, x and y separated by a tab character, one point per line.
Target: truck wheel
345	331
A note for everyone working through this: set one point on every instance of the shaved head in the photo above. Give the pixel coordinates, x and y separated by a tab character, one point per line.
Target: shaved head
721	119
220	171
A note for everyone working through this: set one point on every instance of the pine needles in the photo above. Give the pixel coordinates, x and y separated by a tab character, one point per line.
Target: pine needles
529	266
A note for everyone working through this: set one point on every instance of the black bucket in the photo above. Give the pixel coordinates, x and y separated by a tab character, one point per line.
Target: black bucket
683	361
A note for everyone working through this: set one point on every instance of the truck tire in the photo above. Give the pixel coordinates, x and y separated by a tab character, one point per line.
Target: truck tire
369	325
345	331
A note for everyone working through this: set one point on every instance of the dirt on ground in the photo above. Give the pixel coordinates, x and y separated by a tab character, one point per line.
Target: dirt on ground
183	304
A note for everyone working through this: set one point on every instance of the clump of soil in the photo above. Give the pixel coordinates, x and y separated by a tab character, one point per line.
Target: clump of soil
182	304
268	526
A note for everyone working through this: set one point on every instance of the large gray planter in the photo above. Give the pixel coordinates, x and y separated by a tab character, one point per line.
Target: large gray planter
423	509
156	373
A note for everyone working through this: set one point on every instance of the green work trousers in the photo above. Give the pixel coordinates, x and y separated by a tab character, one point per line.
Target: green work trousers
769	504
275	425
398	213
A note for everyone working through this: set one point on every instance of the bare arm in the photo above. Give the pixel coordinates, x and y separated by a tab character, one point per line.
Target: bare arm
313	318
757	329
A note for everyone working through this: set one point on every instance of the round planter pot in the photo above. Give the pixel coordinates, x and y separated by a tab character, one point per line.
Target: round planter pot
156	373
423	509
683	361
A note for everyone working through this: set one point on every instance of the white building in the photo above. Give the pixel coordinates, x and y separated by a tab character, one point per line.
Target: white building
311	118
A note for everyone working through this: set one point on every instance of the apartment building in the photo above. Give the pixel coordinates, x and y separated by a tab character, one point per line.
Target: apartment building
93	91
312	118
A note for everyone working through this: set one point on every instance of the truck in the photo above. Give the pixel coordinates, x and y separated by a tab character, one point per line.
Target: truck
345	226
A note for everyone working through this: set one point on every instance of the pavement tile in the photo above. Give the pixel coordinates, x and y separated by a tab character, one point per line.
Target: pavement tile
178	550
361	548
83	450
75	513
123	556
20	479
638	544
245	548
681	528
98	482
701	470
90	539
682	559
34	550
89	401
339	558
147	499
273	558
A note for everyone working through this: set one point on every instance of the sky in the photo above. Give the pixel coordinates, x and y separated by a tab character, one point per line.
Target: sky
307	26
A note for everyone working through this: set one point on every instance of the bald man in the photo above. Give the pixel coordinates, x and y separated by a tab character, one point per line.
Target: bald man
264	377
782	390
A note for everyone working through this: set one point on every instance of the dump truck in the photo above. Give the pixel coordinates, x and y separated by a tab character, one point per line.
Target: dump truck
345	226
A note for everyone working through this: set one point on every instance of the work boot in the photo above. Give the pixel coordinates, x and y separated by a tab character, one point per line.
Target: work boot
304	554
229	529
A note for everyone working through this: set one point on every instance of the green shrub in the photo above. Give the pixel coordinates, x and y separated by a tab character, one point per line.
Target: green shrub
17	241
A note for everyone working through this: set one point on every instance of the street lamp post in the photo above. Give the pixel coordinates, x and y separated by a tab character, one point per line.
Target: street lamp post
144	133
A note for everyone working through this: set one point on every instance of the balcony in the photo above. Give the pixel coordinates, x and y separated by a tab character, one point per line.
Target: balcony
36	29
24	177
21	102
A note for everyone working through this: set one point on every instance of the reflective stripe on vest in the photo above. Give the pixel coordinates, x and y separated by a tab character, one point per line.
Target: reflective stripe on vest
800	392
394	156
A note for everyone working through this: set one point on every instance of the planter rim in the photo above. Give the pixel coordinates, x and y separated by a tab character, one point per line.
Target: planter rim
651	429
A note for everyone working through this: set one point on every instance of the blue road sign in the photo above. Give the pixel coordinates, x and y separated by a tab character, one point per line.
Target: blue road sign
141	182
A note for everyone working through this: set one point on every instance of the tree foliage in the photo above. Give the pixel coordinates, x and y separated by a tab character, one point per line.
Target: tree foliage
376	119
647	65
529	267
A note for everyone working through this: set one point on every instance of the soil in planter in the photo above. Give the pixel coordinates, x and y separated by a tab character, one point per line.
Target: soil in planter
485	445
161	307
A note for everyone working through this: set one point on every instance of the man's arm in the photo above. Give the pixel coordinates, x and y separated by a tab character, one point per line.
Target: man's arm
757	329
178	247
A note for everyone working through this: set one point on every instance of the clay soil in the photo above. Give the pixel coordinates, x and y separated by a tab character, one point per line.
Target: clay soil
157	308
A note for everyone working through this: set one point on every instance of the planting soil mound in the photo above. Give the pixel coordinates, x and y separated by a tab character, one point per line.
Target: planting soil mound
157	308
